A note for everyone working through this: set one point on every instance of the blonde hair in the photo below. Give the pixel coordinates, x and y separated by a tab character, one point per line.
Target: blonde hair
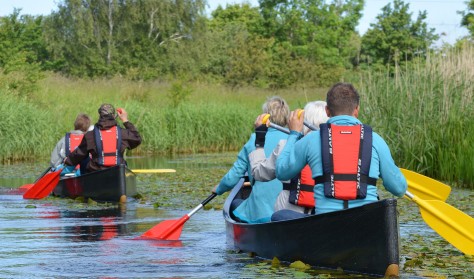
278	109
315	114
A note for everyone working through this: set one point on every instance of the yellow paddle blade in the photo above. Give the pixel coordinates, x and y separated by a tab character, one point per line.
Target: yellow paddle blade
153	170
449	222
425	187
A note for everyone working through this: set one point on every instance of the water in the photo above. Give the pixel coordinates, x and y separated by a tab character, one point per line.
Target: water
50	240
60	238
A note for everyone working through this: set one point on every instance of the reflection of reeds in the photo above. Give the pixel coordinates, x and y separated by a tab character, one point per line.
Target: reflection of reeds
425	111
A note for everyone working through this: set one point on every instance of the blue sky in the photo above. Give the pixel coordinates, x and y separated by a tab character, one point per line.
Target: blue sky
442	14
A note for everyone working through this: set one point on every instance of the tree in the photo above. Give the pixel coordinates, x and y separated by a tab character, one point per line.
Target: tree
468	17
22	52
107	37
395	37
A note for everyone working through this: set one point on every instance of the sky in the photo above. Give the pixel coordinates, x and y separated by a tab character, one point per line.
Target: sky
442	14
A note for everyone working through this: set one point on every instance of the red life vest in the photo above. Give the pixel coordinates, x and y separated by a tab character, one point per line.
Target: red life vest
72	142
302	189
108	143
346	153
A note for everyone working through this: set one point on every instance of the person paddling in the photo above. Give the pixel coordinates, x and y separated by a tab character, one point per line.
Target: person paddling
258	207
345	156
106	143
70	142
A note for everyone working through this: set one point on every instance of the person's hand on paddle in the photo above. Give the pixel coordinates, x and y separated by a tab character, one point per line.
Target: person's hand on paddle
261	129
296	120
122	114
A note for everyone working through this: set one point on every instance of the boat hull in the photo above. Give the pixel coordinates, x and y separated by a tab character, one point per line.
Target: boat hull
357	240
114	184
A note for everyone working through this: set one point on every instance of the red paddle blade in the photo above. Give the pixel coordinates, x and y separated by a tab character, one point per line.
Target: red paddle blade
167	230
43	187
25	187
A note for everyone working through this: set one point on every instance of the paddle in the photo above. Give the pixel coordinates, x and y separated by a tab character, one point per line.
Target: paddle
171	229
425	187
28	186
153	170
44	186
450	223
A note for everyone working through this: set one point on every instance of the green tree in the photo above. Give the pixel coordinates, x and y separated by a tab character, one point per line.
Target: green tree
468	17
395	37
22	52
319	31
107	37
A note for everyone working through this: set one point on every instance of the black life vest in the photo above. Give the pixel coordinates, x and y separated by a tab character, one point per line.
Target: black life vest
346	153
72	142
302	189
108	143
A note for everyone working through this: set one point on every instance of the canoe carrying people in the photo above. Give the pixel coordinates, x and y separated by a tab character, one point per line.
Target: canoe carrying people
106	143
259	206
71	141
297	194
341	181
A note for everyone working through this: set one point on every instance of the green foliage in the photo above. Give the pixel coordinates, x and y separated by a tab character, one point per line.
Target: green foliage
395	38
21	50
24	130
178	93
468	17
318	31
100	38
426	113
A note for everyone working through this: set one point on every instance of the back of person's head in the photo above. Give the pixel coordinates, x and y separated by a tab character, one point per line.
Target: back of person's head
315	114
342	99
278	109
82	122
106	110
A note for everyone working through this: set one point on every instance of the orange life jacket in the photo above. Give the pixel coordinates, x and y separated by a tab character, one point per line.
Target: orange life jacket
346	154
108	144
302	189
72	142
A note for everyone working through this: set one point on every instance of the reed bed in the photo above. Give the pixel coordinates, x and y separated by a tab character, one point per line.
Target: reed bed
210	118
425	111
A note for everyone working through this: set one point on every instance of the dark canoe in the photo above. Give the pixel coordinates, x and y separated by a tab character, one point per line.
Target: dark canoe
357	240
114	184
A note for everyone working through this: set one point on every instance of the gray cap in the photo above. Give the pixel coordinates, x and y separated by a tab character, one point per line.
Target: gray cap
106	109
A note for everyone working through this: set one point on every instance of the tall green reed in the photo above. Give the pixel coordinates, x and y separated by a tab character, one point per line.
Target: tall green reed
425	111
210	118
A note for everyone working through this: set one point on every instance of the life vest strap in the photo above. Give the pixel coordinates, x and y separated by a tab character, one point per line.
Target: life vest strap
302	187
346	177
110	154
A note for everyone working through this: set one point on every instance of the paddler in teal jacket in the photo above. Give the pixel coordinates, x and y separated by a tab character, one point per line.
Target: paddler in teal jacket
342	108
259	206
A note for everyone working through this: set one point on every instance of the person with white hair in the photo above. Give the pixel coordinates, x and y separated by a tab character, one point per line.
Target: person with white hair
297	194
